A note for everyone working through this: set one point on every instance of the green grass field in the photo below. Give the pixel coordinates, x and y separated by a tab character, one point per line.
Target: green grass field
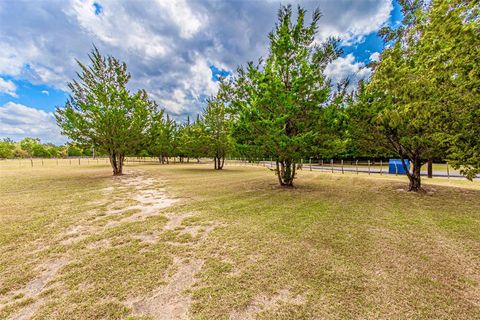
185	241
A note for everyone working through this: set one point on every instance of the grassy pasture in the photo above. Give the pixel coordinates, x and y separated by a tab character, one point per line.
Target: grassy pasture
335	247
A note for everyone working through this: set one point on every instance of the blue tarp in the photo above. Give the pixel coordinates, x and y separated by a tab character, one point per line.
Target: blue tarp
395	166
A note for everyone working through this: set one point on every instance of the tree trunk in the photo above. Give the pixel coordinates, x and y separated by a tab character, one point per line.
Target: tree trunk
414	177
430	168
221	161
120	166
218	162
116	161
285	172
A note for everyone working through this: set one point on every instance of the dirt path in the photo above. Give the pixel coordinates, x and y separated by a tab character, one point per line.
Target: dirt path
46	272
171	301
148	198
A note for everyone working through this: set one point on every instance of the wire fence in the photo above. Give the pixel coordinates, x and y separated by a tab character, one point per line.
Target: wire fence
380	167
372	166
85	161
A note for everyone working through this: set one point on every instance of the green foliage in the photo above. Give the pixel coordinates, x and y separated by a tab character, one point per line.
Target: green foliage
279	104
41	151
163	137
28	145
102	112
449	56
191	139
217	124
74	151
19	152
197	144
7	148
424	92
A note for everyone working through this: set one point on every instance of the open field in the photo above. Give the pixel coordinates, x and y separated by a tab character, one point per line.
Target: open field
440	169
185	241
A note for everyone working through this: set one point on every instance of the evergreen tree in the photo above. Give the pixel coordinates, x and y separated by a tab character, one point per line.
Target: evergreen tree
279	103
449	56
103	113
404	108
217	127
7	149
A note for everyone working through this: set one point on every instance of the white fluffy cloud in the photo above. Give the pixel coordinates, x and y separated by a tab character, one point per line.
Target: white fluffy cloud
167	45
347	68
8	87
351	21
18	121
375	57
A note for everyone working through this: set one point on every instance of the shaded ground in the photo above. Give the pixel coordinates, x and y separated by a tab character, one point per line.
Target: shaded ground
185	241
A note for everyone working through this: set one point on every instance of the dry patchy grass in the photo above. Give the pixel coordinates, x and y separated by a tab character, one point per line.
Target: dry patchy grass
235	246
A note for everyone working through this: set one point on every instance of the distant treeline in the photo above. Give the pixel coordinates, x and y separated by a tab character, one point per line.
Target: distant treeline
34	148
420	104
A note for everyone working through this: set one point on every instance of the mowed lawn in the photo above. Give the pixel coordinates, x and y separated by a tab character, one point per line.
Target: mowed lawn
75	243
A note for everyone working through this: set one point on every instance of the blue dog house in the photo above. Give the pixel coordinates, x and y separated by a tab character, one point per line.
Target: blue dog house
395	166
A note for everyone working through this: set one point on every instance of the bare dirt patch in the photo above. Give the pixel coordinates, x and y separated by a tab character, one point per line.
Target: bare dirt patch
263	302
176	219
28	311
35	287
170	301
147	200
76	233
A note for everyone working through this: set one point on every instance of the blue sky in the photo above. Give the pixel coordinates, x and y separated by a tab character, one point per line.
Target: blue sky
175	49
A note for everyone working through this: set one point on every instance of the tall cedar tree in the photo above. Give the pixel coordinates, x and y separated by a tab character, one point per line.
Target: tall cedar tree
198	143
160	142
450	57
101	111
279	103
403	107
192	140
216	122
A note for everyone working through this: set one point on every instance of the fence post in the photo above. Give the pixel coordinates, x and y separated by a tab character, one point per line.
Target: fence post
342	166
356	165
310	164
368	167
331	164
42	162
31	162
79	161
396	169
448	171
430	168
381	167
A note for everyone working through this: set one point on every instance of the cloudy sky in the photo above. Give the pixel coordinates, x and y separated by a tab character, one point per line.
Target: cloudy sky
175	49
